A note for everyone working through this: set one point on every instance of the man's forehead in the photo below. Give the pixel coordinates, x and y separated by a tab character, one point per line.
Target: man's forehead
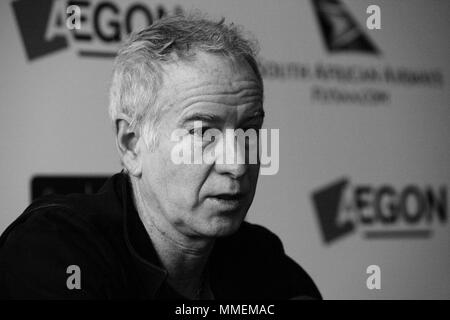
206	69
210	78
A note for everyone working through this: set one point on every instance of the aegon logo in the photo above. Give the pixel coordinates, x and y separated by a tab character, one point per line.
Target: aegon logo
103	25
380	211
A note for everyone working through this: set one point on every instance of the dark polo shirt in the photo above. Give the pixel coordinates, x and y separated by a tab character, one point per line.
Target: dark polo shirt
103	235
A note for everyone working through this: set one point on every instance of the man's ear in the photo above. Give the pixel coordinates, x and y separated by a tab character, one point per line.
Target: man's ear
129	147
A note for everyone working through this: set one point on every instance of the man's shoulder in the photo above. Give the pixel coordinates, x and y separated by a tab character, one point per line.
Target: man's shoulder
53	233
257	256
56	227
82	212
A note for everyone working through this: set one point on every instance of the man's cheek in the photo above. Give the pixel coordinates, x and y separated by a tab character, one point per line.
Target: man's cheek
253	174
180	178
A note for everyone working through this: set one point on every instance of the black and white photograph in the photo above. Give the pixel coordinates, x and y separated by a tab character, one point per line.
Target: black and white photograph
189	153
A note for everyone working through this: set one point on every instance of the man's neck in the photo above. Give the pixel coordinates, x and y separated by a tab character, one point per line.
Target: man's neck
185	264
184	257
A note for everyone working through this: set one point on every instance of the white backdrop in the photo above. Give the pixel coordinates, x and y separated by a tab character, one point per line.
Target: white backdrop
53	120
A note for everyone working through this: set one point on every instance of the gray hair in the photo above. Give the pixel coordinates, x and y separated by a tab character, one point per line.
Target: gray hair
137	73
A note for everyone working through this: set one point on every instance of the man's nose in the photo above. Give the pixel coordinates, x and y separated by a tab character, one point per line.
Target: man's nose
235	170
233	160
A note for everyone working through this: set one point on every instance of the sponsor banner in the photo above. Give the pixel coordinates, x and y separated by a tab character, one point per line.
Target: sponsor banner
103	25
382	211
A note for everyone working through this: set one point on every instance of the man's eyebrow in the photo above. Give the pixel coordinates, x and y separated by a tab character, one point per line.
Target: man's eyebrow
257	114
200	116
213	118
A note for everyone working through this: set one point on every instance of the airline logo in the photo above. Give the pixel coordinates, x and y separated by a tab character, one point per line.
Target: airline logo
340	31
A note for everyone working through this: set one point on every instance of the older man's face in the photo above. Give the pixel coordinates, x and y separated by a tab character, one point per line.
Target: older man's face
200	199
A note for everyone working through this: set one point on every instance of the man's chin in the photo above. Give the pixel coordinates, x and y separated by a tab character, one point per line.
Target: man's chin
222	227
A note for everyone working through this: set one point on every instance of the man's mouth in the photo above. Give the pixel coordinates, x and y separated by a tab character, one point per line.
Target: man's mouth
227	201
229	196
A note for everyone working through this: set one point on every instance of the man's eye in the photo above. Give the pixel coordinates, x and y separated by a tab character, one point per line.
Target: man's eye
198	131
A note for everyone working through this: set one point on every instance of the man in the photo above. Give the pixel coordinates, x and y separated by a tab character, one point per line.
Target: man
161	229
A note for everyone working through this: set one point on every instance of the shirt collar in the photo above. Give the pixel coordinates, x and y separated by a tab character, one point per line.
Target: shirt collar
150	270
